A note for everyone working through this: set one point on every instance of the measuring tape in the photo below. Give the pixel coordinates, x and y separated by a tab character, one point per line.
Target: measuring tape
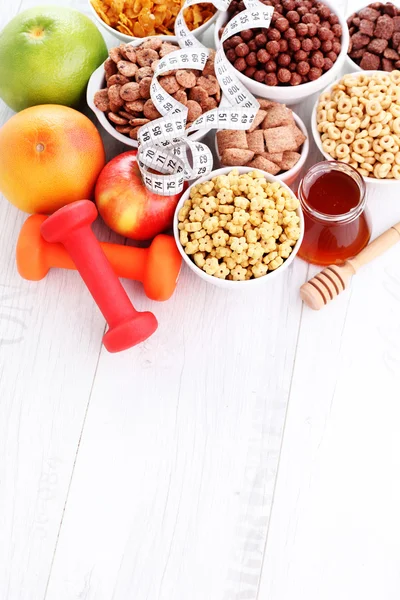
163	144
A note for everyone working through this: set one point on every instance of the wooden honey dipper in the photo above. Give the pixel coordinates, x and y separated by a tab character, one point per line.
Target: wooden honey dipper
333	280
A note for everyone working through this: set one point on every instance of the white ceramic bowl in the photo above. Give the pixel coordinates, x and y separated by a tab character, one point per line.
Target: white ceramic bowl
317	136
288	176
292	94
97	82
130	38
226	283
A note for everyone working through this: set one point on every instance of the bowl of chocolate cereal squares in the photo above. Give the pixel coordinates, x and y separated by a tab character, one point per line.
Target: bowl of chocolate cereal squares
300	53
238	227
119	90
375	37
277	142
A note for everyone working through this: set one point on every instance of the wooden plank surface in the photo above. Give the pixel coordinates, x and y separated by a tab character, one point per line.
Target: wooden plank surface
151	474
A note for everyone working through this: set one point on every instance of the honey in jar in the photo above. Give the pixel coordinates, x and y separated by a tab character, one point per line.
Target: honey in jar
333	199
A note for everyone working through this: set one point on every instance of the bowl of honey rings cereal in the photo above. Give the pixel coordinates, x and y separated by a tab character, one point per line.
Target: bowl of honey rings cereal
134	19
357	121
238	227
118	91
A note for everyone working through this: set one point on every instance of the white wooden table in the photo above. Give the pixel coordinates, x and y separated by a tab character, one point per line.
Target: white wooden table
153	474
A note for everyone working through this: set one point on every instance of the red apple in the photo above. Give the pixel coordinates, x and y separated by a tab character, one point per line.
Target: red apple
125	203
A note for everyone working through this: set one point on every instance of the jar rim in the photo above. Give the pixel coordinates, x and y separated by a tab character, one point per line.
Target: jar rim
333	165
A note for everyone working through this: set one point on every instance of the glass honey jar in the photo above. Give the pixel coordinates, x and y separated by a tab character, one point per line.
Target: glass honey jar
337	226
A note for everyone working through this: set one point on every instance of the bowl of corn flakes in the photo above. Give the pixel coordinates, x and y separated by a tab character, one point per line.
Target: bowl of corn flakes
238	227
135	19
118	91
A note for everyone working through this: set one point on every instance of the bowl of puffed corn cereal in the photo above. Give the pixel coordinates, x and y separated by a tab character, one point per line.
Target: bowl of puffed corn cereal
357	121
238	226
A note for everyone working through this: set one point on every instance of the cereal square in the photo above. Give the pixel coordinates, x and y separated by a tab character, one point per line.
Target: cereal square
280	139
255	141
259	162
229	138
277	116
289	160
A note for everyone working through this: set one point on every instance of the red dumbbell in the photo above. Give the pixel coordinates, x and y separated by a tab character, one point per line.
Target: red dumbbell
71	225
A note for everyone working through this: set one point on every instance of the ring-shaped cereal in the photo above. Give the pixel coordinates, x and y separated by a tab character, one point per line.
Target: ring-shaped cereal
350	81
342	150
381	170
375	129
321	116
329	146
340	124
367	167
395	149
377	95
370	159
387	158
342	116
325	136
387	142
357	157
357	112
337	95
361	146
325	97
331	114
321	106
347	136
353	123
361	134
388	118
363	172
365	122
363	79
395	110
345	159
322	127
345	105
333	132
377	148
395	77
330	104
396	125
379	118
386	103
383	78
373	107
385	130
396	171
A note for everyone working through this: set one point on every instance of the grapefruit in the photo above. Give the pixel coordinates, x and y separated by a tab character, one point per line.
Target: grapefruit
50	155
47	55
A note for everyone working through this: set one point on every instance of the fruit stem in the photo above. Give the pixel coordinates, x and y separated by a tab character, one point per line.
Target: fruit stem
37	31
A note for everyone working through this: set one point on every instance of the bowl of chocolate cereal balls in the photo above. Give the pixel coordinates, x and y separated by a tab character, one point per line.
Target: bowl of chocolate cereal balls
238	227
357	121
300	53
